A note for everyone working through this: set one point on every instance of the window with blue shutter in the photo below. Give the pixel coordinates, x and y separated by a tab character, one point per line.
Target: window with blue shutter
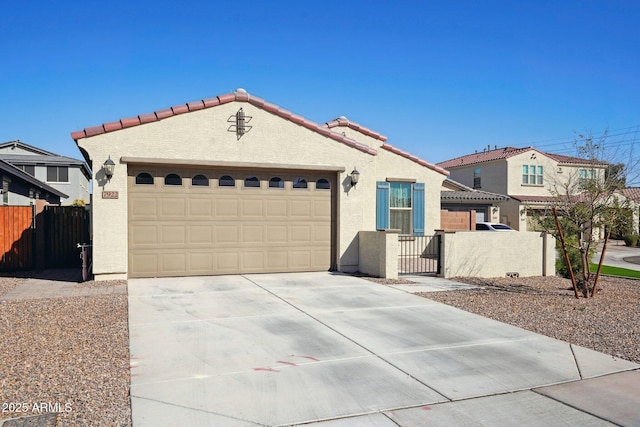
400	205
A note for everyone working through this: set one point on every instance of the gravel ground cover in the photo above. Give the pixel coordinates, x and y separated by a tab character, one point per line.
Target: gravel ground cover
68	356
608	323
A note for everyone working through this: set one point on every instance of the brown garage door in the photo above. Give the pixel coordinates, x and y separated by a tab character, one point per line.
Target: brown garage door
188	221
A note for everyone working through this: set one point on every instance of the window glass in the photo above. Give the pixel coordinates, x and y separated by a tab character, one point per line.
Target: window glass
252	181
172	179
323	184
30	169
400	203
525	174
57	174
299	183
200	180
476	178
144	178
226	181
400	195
276	182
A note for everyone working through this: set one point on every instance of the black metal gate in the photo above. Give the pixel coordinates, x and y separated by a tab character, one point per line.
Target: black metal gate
419	255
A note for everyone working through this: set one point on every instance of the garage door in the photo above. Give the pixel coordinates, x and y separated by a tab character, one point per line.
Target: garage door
188	221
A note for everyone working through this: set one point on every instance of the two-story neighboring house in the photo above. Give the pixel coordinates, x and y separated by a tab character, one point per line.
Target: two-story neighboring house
30	173
529	177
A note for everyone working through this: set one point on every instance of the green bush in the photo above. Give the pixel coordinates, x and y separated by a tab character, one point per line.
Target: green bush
631	239
574	257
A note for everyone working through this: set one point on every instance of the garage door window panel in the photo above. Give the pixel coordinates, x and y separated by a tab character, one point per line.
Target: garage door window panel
300	183
252	182
144	178
276	182
200	181
172	179
323	184
226	181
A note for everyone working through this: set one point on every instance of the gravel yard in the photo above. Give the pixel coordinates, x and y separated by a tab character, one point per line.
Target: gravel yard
609	322
68	356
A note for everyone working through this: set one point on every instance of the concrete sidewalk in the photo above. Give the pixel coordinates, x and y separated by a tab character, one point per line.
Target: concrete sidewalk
333	350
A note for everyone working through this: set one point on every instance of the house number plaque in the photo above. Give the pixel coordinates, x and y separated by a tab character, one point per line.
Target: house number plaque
109	194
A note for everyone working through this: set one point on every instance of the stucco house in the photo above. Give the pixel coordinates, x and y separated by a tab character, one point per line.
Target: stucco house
456	197
235	184
30	173
527	176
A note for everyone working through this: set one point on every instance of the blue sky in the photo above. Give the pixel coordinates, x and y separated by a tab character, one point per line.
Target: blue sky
439	79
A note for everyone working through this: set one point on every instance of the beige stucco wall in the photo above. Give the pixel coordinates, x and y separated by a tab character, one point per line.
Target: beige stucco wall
379	253
205	135
494	254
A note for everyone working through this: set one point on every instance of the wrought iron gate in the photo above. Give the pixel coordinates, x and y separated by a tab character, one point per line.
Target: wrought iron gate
419	255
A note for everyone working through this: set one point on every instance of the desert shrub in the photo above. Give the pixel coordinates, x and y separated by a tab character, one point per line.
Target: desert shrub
631	239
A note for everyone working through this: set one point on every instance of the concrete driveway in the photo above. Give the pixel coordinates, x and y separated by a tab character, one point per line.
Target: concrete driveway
335	350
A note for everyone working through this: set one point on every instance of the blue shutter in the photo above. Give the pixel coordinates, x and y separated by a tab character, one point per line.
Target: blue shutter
382	205
418	209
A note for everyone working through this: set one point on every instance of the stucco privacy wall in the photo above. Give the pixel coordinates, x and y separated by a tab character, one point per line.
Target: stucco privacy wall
379	252
487	254
207	135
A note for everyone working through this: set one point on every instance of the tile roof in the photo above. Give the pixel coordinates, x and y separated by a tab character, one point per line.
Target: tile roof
506	152
343	121
469	196
243	96
20	174
484	156
632	193
239	95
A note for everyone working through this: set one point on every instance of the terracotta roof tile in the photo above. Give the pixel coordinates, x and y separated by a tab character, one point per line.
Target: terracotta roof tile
632	193
484	156
197	105
95	130
180	109
146	118
129	122
343	121
211	102
163	114
108	127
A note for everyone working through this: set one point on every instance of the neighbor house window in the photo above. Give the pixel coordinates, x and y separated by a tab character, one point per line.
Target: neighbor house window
400	205
476	178
532	175
57	173
144	178
587	173
30	169
200	180
5	192
172	179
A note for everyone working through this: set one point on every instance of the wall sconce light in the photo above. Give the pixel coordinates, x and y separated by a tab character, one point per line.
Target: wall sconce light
240	129
355	177
108	167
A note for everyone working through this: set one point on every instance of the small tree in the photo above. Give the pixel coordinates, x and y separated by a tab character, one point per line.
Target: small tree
585	205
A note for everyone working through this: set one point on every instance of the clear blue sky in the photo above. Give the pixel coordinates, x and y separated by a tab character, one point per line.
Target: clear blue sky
439	79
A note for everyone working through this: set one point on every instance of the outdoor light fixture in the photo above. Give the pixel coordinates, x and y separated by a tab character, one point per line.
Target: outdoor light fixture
240	129
355	176
109	166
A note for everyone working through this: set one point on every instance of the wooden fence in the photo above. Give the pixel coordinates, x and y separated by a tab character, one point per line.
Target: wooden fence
17	237
46	239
